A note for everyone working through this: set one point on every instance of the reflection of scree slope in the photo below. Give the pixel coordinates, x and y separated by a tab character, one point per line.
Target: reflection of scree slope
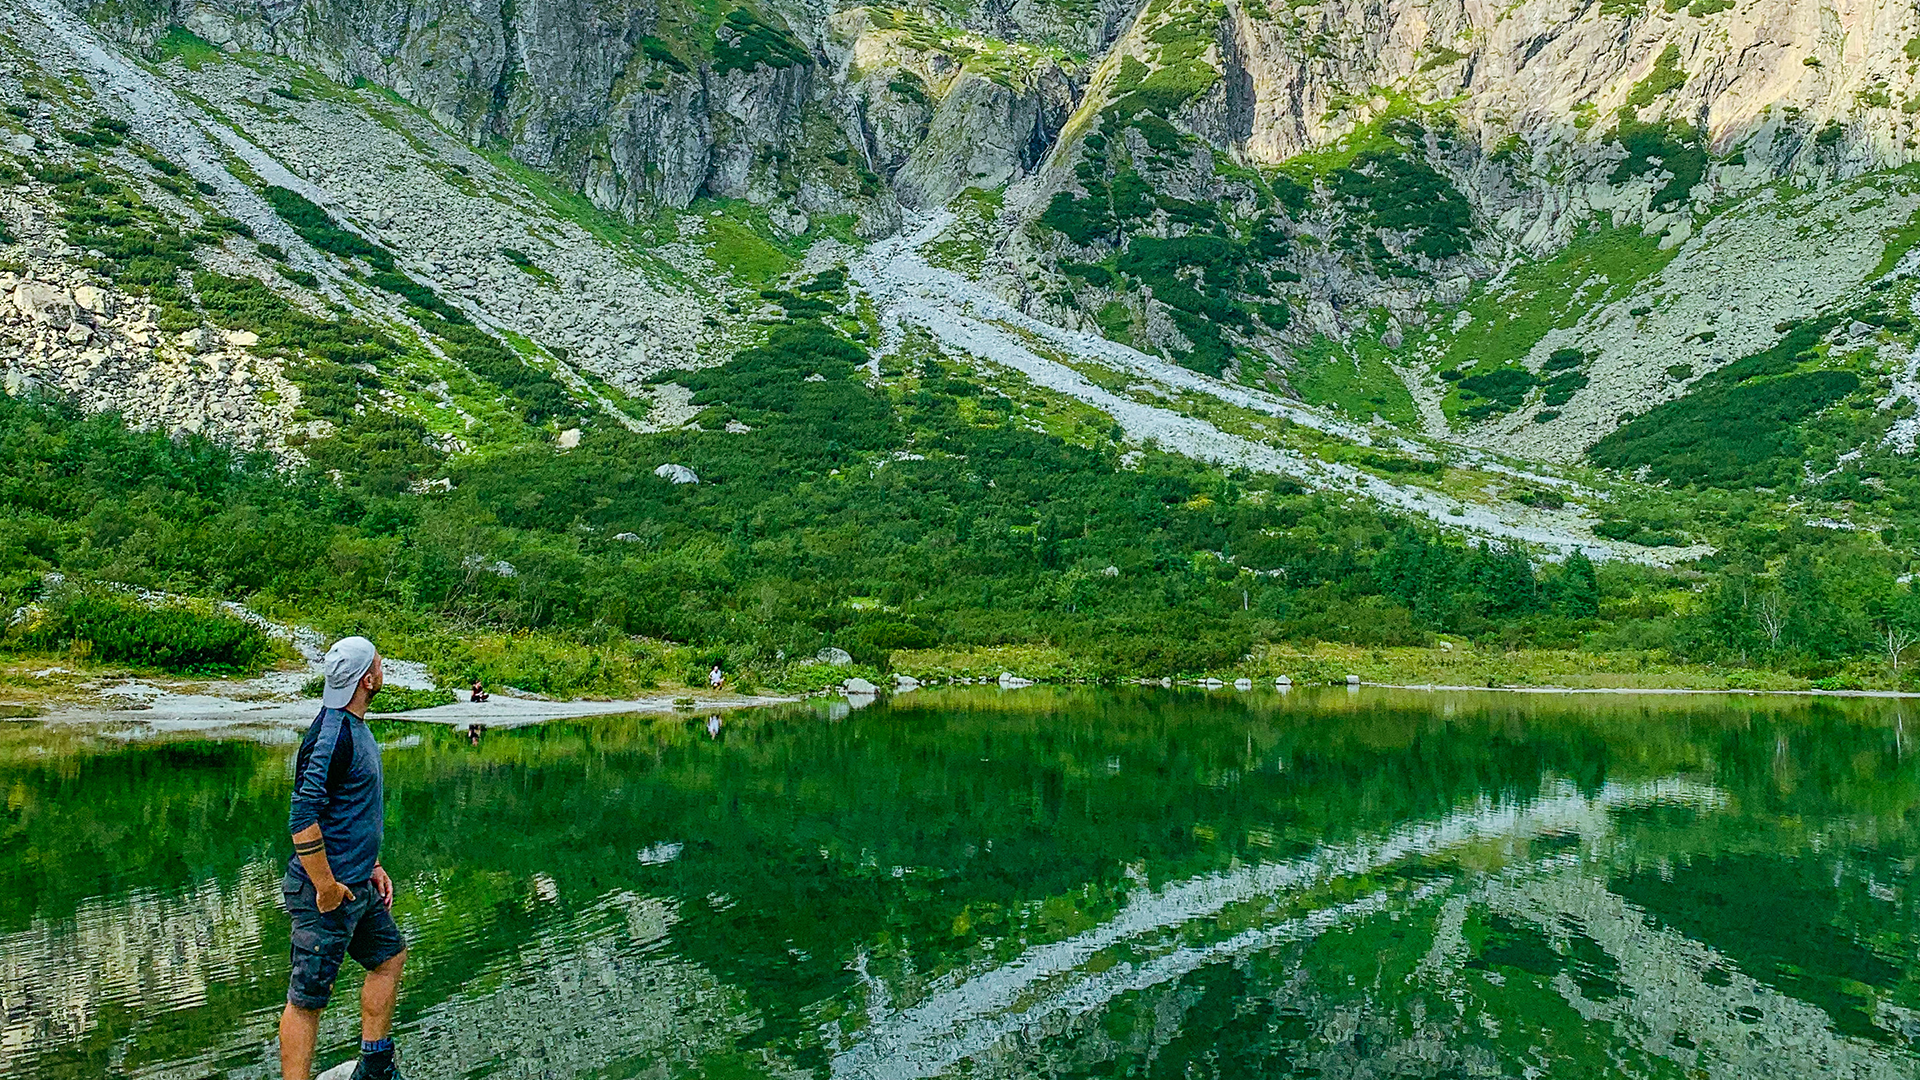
966	1015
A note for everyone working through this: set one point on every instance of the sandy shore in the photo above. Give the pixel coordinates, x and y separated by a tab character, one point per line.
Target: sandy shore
270	703
274	701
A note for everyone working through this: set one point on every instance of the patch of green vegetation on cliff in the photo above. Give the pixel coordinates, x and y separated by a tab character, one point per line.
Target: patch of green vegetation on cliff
743	253
1353	376
744	41
318	228
965	243
1600	265
182	44
1898	240
741	239
1180	71
1212	275
1388	131
1678	149
1400	192
1665	77
1744	425
1194	276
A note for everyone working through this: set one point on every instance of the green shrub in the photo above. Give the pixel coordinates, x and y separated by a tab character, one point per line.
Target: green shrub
1398	190
1503	387
745	42
393	699
318	228
1678	149
418	295
119	629
1084	221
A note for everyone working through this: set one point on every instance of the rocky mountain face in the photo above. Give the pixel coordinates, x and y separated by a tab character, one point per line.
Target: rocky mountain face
1514	229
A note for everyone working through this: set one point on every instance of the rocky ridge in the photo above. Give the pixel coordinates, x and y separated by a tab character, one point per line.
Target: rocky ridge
1716	136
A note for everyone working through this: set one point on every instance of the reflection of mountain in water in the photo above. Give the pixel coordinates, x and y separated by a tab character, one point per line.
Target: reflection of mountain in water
591	991
56	979
1141	992
1094	887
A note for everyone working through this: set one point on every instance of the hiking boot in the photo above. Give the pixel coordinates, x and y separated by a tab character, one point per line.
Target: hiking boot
360	1072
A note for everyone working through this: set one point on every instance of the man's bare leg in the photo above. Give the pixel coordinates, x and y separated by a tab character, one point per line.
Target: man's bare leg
298	1029
377	995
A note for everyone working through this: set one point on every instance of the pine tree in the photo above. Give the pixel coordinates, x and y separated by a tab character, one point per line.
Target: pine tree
1579	588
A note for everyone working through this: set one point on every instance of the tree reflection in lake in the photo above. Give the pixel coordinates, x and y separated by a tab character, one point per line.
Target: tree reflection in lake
1046	882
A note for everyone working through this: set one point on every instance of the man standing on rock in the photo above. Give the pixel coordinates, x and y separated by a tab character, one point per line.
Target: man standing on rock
339	898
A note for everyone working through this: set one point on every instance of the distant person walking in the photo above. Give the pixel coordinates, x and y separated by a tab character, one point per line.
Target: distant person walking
337	895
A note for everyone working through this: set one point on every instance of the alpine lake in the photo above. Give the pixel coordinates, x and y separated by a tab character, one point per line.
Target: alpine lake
1047	882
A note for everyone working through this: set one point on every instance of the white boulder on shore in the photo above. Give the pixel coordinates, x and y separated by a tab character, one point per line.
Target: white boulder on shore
858	685
831	655
1010	681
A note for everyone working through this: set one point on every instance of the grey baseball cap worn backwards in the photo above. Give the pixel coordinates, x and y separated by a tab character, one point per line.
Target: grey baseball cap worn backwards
346	662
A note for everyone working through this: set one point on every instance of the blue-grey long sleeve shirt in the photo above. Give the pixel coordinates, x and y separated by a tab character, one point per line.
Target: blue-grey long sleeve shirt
337	782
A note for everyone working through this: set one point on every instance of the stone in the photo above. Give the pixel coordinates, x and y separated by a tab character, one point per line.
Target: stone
48	305
1353	680
627	537
904	683
93	300
1243	684
242	339
570	438
1282	681
831	655
196	340
676	474
1111	571
1010	681
858	685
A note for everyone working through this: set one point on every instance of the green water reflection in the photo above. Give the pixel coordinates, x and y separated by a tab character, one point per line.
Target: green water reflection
1056	883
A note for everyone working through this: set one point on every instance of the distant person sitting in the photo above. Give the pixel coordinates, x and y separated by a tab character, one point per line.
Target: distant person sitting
715	678
479	691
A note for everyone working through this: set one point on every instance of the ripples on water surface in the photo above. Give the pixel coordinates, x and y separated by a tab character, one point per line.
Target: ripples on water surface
1040	883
